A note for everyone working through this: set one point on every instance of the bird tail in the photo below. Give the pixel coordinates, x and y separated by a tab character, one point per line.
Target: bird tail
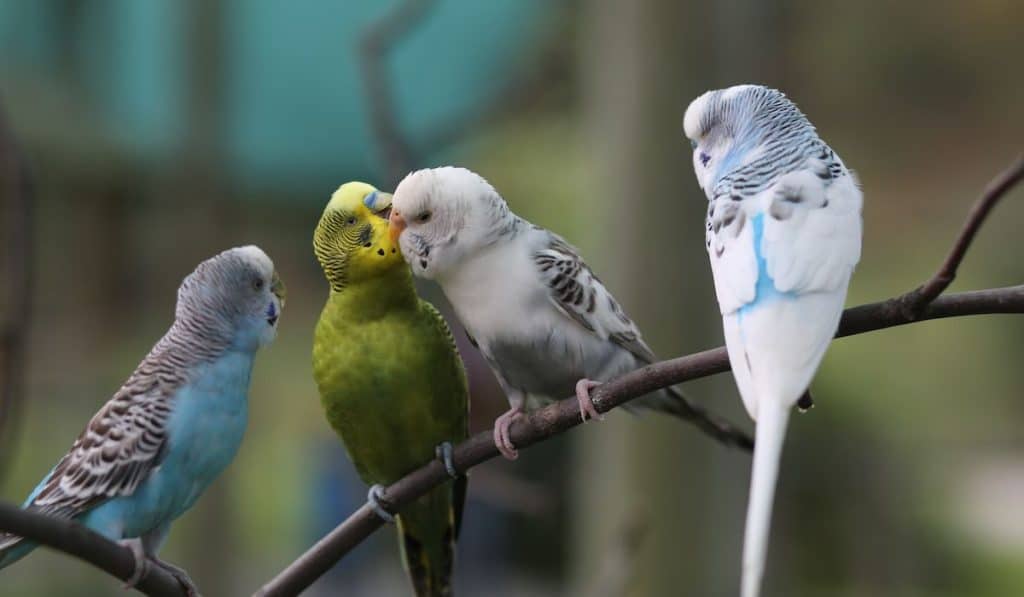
672	402
427	530
13	548
772	417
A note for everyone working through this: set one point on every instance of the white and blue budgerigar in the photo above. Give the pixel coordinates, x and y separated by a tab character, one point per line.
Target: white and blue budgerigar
173	427
540	316
784	236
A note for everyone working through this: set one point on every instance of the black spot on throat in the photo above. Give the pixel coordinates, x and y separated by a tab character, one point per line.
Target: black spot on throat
380	252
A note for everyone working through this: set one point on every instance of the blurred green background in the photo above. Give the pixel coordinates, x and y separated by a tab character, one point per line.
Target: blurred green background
159	133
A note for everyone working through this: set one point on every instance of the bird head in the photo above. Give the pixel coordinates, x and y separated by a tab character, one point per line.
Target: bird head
351	241
440	216
732	128
236	295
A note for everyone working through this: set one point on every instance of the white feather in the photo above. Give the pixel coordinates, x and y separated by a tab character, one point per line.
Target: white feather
776	345
771	430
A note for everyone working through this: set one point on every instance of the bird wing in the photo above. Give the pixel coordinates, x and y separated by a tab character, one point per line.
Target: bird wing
801	235
797	239
579	295
118	449
459	394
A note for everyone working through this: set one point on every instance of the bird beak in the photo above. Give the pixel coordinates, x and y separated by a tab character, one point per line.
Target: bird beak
277	289
397	225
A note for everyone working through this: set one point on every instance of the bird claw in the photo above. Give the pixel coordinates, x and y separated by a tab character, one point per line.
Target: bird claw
142	567
181	576
375	498
502	435
443	452
587	408
141	563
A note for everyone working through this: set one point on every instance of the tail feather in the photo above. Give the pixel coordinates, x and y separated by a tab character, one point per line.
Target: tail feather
771	432
459	488
13	548
427	532
672	402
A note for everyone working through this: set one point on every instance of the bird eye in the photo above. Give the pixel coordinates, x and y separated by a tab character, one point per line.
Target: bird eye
257	284
693	144
351	220
704	158
423	217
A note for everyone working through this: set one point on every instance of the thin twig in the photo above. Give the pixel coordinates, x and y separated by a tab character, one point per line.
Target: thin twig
16	194
914	301
376	43
563	415
74	539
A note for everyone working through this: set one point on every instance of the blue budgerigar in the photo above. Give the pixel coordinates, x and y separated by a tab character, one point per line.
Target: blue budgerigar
783	235
152	450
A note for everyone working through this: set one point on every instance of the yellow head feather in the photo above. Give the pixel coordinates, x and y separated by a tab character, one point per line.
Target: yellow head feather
351	241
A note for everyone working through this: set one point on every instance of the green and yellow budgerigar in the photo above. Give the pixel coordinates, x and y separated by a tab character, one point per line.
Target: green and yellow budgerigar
390	378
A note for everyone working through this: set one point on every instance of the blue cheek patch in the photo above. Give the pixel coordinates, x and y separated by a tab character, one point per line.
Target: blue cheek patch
271	311
370	199
765	290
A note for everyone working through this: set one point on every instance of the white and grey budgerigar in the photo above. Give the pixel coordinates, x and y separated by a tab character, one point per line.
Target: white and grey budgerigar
784	236
152	450
547	326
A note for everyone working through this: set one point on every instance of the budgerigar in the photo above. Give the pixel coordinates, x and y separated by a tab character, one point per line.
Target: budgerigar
783	235
544	322
151	451
390	378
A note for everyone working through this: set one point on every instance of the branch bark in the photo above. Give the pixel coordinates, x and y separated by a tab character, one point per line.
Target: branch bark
561	416
913	302
74	539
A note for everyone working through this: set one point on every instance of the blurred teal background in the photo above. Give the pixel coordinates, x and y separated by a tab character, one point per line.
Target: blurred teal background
159	133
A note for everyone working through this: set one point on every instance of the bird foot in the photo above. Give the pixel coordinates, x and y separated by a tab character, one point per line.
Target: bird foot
141	562
502	436
587	409
376	499
179	575
443	452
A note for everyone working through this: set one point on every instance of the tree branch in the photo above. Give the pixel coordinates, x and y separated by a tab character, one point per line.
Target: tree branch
76	540
914	301
561	416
